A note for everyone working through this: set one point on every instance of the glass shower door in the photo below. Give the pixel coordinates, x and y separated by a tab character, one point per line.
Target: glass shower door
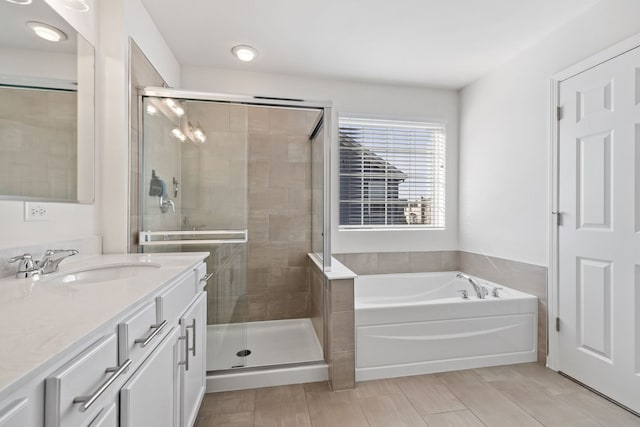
194	199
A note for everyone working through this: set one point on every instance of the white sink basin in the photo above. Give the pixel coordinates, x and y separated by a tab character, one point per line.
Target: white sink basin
103	273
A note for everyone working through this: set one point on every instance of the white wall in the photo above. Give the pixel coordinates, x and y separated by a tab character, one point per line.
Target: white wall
119	20
67	221
504	136
381	100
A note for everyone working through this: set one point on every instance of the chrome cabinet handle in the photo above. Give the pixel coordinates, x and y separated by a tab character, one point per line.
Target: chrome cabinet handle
205	279
157	328
186	351
193	328
87	401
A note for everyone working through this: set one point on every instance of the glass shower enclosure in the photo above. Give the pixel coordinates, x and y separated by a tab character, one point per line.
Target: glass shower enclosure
245	180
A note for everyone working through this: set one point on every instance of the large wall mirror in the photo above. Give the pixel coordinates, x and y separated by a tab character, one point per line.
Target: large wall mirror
47	113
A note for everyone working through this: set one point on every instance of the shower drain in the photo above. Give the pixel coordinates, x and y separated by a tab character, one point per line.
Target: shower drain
243	353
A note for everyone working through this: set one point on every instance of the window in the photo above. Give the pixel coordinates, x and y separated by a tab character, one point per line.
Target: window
392	174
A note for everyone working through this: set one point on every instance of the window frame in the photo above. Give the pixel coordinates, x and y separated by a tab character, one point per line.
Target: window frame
441	178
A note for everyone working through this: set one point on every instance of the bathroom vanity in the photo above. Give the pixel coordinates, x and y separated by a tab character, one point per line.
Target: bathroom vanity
109	340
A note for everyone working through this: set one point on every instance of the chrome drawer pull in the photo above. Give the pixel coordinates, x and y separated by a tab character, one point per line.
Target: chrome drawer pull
193	328
87	401
157	328
186	351
205	279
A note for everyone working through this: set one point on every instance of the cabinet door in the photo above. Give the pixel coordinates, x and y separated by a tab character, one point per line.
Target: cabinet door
107	418
194	324
149	397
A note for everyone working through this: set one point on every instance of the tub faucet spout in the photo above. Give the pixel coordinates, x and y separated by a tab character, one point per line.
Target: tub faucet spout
480	290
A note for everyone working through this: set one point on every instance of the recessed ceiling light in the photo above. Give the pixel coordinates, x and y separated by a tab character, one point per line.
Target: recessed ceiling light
46	31
20	1
244	53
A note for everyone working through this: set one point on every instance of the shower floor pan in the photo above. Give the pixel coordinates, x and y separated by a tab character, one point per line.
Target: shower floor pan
287	351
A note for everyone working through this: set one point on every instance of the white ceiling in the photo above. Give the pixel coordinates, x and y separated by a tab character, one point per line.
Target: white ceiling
446	43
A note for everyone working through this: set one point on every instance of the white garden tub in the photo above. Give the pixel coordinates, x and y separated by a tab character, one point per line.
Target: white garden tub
417	323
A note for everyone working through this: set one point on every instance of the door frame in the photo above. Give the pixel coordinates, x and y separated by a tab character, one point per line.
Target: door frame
605	55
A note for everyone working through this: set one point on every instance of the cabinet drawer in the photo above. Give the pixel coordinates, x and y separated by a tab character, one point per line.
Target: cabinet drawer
139	334
172	303
15	414
92	371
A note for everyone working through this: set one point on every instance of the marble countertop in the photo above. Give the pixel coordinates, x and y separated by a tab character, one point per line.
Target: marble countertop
41	318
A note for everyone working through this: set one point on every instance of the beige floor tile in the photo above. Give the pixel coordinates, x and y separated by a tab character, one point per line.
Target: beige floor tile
453	419
393	410
338	408
491	407
319	387
544	408
242	419
377	388
498	373
599	409
282	406
290	394
283	414
552	382
428	394
228	402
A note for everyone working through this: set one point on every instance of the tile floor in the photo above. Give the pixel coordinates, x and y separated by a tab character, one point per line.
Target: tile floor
509	396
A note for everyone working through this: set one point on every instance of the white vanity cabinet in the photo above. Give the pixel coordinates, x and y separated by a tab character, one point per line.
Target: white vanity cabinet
193	325
143	368
150	397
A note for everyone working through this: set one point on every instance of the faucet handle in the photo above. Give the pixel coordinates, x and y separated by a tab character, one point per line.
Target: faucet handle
494	291
26	268
24	257
464	293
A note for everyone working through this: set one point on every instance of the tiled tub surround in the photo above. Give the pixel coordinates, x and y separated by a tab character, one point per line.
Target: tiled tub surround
338	313
416	323
520	276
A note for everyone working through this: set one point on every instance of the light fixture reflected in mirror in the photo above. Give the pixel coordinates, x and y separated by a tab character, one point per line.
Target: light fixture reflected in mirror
76	5
152	110
178	134
46	31
176	107
20	1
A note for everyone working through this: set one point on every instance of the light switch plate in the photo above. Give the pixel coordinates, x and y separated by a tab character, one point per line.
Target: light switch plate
35	211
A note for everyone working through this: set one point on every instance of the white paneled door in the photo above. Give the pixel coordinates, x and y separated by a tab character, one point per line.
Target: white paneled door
599	231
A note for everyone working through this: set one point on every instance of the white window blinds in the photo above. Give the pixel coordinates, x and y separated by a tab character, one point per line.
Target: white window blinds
392	174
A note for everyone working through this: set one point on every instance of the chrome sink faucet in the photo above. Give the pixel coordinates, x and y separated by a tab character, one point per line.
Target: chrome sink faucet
52	259
480	290
48	264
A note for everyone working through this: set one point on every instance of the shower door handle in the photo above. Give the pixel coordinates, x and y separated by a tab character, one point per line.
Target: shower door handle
191	237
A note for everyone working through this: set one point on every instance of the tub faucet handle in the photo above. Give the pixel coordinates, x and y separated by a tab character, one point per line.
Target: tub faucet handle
494	291
464	293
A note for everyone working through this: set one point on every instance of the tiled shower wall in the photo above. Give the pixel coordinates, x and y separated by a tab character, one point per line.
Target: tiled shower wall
279	212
